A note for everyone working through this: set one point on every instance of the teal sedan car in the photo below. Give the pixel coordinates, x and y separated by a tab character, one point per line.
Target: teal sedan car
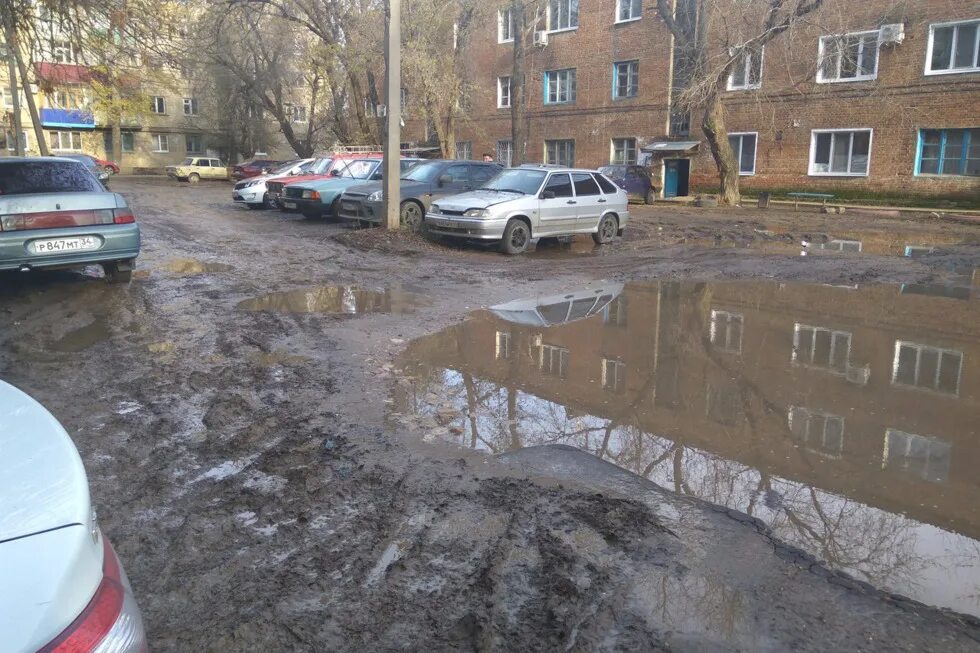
320	197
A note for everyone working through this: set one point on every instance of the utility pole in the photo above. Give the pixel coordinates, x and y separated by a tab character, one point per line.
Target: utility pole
12	74
393	116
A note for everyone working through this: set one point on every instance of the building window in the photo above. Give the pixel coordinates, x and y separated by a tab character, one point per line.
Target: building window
725	332
158	104
195	144
823	348
624	151
62	51
747	71
66	141
562	14
464	150
560	152
627	10
680	123
554	361
613	375
953	48
299	113
503	92
926	458
839	245
127	142
503	346
614	313
190	106
954	152
842	152
848	57
723	404
505	153
743	146
559	86
161	143
626	79
821	433
930	368
505	25
11	144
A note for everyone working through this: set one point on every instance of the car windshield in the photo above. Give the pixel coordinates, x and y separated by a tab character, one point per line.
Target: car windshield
188	161
357	169
284	168
46	177
516	180
424	172
616	172
320	166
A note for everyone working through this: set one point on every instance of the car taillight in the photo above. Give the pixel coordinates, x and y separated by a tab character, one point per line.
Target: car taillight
123	216
110	622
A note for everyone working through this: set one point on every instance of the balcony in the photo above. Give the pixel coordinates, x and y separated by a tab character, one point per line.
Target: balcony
68	118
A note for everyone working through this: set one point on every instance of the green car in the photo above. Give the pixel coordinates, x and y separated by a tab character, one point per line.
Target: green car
319	197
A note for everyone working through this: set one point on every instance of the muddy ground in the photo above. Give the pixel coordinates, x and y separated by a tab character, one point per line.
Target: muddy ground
240	464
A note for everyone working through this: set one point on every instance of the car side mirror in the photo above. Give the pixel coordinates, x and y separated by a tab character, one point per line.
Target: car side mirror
335	173
265	171
376	176
445	179
548	195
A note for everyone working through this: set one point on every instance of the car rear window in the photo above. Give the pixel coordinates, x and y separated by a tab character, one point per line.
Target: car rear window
23	178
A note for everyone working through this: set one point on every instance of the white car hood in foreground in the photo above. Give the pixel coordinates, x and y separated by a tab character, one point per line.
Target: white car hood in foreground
50	563
477	199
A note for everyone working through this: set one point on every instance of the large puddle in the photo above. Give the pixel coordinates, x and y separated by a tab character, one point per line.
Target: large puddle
847	418
335	300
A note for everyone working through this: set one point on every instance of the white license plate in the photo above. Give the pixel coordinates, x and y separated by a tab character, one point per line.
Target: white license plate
59	245
289	205
348	206
451	224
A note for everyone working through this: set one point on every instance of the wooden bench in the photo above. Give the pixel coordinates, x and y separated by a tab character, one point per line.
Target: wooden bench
807	196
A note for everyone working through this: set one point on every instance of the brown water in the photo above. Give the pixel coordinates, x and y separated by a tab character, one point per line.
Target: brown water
336	300
846	418
84	337
190	267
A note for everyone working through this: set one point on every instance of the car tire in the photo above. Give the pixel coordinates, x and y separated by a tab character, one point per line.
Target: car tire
651	196
108	170
517	237
412	215
193	178
268	202
608	228
119	271
332	212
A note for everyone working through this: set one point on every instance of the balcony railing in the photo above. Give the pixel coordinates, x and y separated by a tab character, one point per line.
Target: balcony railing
72	118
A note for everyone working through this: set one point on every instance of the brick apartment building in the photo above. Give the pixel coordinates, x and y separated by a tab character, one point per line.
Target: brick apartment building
899	114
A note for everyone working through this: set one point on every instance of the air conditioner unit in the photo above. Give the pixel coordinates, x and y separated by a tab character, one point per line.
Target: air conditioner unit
541	39
892	34
858	375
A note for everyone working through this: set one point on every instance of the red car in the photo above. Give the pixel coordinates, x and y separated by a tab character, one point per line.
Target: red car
253	168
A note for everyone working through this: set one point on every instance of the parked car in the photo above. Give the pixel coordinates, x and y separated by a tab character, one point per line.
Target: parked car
92	164
635	179
421	185
195	168
322	169
64	588
533	202
55	214
253	168
320	197
253	192
111	167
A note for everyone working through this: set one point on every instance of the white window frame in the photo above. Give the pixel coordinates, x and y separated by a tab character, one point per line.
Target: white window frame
951	71
161	143
720	327
502	350
500	92
901	460
71	137
190	103
813	152
505	152
747	68
626	149
563	143
821	48
613	375
553	351
158	101
12	143
570	27
462	146
809	439
62	49
502	16
132	141
619	11
738	155
296	110
797	355
918	363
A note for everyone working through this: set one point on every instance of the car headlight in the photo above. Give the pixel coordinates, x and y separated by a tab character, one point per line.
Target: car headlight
434	208
477	213
311	195
252	183
375	196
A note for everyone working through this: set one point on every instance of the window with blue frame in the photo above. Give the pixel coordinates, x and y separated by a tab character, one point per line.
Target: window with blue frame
951	152
559	86
626	79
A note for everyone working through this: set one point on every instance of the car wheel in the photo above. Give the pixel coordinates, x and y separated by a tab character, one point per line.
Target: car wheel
119	271
517	236
651	196
412	215
331	213
194	178
268	202
108	170
608	228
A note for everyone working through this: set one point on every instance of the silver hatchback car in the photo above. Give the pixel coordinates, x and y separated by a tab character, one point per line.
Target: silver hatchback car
533	201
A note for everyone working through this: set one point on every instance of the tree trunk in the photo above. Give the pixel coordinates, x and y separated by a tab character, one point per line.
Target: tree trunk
14	44
117	142
518	87
716	134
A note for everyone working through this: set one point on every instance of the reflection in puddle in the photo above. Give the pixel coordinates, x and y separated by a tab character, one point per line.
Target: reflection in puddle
277	357
843	417
189	266
82	338
569	247
336	300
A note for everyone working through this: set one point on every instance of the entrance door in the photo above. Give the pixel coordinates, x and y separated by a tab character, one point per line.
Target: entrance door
671	174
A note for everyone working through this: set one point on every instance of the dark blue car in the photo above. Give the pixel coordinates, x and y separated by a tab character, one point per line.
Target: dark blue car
634	179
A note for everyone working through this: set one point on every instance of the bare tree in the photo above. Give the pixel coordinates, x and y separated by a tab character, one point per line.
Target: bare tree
525	15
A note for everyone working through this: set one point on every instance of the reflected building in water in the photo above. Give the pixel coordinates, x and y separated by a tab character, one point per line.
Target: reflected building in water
845	418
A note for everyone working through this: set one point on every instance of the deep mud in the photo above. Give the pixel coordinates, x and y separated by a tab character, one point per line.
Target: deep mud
241	466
